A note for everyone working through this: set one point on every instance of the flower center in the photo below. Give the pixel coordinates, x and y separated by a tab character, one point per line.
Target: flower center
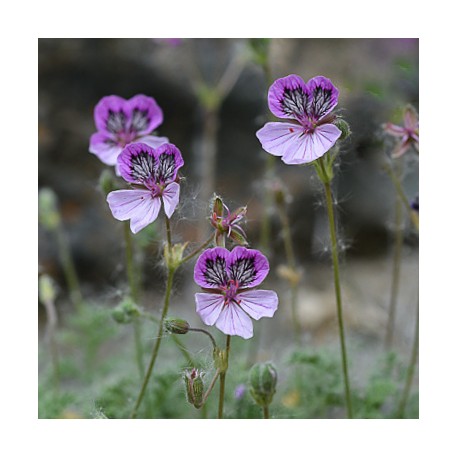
230	291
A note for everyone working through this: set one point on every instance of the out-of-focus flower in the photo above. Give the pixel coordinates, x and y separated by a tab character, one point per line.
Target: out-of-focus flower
228	277
120	122
153	174
226	223
309	105
408	134
240	391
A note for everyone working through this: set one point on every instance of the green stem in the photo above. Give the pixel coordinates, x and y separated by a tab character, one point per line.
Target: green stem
411	368
222	380
157	343
134	295
335	263
69	268
207	333
197	250
265	411
398	242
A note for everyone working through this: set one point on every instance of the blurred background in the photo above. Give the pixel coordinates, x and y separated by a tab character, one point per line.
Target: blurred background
376	79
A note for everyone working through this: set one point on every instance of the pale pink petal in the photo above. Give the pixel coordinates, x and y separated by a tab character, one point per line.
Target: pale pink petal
209	306
171	197
393	129
137	205
233	321
105	148
313	145
258	303
278	138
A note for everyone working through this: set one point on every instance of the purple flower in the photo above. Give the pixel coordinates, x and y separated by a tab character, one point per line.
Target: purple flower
120	122
309	105
228	277
153	172
408	133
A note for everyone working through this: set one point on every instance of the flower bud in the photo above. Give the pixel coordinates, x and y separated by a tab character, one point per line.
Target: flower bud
174	255
176	326
46	289
193	380
344	127
125	312
263	381
48	209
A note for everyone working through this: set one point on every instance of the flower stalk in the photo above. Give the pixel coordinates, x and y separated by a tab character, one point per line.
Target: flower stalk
222	377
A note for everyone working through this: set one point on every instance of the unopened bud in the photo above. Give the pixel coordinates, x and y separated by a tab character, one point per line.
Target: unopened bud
46	289
344	127
176	325
193	380
125	312
48	209
263	382
174	255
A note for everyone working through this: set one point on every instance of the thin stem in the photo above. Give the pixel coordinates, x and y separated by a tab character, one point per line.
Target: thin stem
335	262
411	368
222	379
169	233
208	334
157	342
51	336
134	295
399	239
265	411
210	388
197	250
69	268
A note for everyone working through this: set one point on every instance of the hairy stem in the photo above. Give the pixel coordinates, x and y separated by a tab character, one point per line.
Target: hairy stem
265	411
197	250
335	263
222	380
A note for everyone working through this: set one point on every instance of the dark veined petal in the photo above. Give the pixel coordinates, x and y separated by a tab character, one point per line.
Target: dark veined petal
171	197
233	321
144	114
137	205
111	115
247	267
136	163
209	306
278	138
313	145
169	160
210	270
289	97
258	303
324	97
105	148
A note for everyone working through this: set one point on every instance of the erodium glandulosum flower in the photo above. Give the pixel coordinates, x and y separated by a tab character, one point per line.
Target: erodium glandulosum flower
407	134
120	122
229	300
153	175
309	106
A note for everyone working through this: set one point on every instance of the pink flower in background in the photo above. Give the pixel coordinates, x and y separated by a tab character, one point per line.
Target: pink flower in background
408	134
153	173
120	122
229	300
309	106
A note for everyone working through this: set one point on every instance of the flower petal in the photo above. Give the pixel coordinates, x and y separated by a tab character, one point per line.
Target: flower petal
393	129
313	145
137	205
169	160
247	267
259	303
210	270
171	196
153	141
144	114
111	115
324	97
233	321
289	97
105	148
209	306
136	163
278	138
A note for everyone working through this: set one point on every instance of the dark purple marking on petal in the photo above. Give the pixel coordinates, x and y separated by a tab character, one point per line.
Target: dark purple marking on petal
294	102
215	273
142	166
243	270
140	120
169	160
247	267
324	97
136	163
116	121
